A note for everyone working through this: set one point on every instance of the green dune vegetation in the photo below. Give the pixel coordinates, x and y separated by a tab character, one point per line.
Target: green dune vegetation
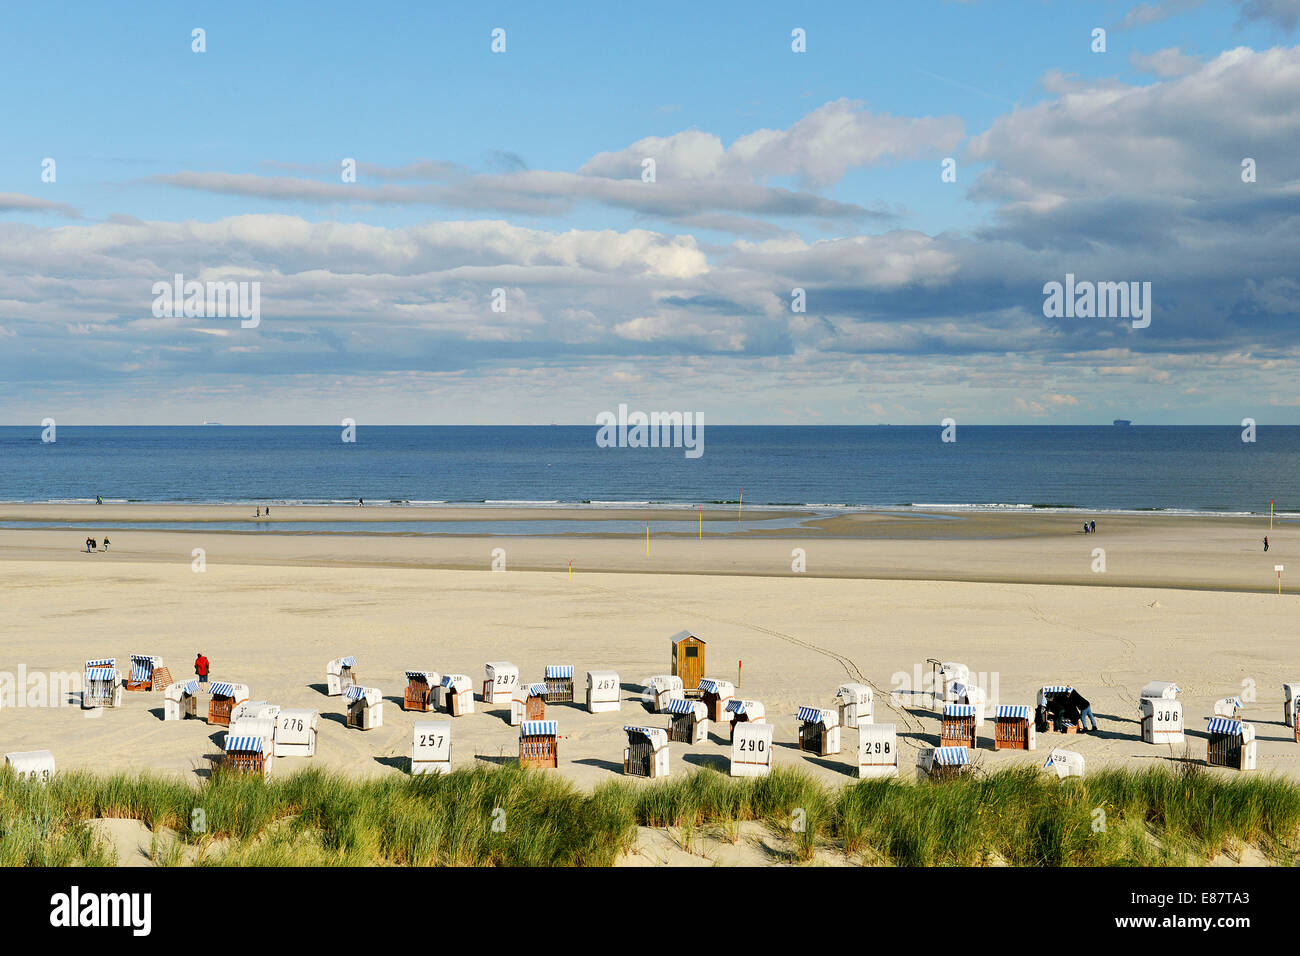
510	817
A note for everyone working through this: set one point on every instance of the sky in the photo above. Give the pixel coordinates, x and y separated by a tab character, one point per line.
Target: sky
921	171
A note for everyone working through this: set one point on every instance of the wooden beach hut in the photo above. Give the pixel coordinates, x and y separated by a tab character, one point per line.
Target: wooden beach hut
662	688
943	763
31	764
742	711
457	695
539	744
1231	744
1290	697
248	754
1065	763
222	700
339	675
688	721
715	694
102	687
1013	729
431	747
603	692
180	700
365	707
819	730
688	658
559	683
646	753
421	691
856	702
500	681
148	673
751	750
957	729
295	733
877	750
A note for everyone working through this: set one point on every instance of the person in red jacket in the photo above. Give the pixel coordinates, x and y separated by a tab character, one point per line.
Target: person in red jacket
201	668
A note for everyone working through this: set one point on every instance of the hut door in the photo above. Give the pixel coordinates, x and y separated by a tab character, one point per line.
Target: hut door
691	667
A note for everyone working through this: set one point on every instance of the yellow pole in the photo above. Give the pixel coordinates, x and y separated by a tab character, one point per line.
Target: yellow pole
647	537
701	524
570	569
741	507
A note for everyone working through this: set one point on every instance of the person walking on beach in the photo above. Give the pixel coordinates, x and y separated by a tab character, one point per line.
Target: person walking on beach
88	546
1085	527
201	668
94	545
1092	527
1265	544
106	543
99	499
257	513
1080	703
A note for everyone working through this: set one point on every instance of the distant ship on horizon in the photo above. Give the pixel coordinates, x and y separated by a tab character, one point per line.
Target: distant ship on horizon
212	423
1121	421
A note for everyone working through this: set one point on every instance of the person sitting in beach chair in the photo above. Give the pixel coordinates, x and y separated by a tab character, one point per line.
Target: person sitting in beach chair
1066	716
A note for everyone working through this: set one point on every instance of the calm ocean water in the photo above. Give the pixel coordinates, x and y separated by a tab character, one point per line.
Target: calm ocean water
1202	468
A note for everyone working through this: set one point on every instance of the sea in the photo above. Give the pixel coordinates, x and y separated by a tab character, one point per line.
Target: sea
1136	468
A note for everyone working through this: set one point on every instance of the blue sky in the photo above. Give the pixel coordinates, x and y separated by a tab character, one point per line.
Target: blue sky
775	170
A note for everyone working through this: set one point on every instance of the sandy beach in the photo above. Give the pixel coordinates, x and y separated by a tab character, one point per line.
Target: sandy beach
1187	600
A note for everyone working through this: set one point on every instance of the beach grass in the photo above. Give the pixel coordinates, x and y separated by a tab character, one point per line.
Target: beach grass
505	816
